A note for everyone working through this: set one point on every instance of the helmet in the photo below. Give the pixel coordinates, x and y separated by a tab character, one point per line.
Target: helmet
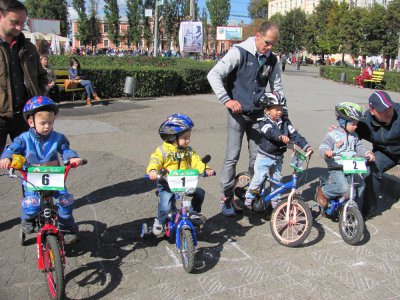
39	103
270	99
348	111
173	126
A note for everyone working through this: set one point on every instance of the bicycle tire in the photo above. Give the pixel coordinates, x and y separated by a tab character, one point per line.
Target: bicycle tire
53	267
187	250
297	230
352	229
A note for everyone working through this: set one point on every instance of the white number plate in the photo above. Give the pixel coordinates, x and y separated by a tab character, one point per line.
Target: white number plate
354	165
183	180
45	178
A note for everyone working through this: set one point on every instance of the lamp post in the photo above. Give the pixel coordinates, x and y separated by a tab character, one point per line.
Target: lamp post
398	55
156	29
192	10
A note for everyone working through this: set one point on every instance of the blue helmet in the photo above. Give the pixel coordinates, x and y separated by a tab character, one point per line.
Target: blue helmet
39	103
173	126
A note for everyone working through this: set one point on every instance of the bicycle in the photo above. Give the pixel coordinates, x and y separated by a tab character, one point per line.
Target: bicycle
291	220
49	242
351	222
182	183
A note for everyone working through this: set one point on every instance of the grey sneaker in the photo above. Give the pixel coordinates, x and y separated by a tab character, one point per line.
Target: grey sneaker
28	226
226	207
158	229
70	238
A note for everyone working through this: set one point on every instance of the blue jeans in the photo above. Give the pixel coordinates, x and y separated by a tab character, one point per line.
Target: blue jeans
167	200
338	184
263	167
373	181
87	84
238	125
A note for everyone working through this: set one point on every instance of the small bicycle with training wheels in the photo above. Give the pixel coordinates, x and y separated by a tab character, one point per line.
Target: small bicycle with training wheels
291	219
351	222
179	225
49	242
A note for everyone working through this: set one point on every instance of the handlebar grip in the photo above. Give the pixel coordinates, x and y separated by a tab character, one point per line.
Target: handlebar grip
206	175
147	176
84	161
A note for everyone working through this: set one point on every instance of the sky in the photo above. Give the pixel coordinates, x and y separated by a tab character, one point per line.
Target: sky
238	7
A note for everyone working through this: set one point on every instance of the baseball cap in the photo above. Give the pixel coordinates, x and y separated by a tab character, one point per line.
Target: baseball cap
380	101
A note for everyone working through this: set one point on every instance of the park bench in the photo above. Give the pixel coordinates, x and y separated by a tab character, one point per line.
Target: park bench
377	79
61	76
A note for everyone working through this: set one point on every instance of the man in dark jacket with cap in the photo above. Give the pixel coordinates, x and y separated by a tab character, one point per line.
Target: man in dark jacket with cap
380	126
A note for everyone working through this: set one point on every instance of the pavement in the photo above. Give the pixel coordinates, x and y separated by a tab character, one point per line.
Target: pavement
237	257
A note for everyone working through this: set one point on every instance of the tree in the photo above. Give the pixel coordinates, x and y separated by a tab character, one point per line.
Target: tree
219	11
350	31
393	30
258	9
146	23
50	9
292	30
373	24
93	30
170	20
111	12
83	22
133	34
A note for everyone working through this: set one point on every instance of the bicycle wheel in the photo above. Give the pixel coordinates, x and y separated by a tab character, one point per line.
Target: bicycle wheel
352	228
187	250
295	230
53	267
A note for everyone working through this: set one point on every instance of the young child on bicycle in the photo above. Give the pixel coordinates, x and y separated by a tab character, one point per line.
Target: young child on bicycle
342	140
175	154
276	133
41	146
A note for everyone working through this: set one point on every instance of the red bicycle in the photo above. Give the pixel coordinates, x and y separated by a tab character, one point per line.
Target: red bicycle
50	244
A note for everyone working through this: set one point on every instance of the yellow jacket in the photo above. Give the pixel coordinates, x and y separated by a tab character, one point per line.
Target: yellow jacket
166	156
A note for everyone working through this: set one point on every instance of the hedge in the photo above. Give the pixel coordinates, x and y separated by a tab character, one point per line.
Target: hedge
391	79
154	76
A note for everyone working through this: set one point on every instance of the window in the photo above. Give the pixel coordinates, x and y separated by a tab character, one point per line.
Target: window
105	27
105	43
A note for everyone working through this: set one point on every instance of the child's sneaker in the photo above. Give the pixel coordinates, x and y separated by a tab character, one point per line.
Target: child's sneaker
197	219
28	226
158	229
248	203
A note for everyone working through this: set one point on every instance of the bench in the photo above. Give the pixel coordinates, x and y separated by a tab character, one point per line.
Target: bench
61	76
376	80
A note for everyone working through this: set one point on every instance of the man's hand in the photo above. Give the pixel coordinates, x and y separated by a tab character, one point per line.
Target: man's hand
370	156
234	106
5	163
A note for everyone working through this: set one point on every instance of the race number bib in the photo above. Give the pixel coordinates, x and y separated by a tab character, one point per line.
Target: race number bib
354	165
47	178
183	180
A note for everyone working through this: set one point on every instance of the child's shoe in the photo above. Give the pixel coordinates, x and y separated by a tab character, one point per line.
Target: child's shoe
321	198
158	229
248	203
28	226
197	219
70	235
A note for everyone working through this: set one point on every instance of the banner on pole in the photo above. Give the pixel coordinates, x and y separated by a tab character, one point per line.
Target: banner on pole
191	37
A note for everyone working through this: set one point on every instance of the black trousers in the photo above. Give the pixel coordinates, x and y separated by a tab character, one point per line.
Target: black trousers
13	127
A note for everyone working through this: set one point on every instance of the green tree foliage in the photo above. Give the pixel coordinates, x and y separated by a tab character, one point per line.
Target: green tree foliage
219	11
133	13
258	9
373	25
93	30
50	9
111	12
393	29
83	22
147	4
170	20
292	29
205	29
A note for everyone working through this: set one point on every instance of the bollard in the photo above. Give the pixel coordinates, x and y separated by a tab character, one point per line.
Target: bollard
129	88
343	77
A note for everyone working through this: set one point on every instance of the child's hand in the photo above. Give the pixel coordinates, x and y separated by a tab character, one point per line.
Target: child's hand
328	153
76	160
370	156
5	163
284	139
210	172
153	175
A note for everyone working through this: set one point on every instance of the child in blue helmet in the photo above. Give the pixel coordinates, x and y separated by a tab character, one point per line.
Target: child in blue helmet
343	140
175	154
41	145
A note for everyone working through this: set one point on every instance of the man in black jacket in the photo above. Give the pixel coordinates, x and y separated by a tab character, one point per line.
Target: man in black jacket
380	126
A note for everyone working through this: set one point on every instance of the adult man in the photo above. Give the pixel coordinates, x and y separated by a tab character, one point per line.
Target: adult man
381	127
21	73
247	69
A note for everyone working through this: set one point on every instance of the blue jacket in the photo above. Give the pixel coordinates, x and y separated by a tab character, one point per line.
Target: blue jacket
39	150
271	145
384	138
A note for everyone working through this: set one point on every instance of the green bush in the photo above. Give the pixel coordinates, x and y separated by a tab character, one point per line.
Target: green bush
391	79
154	76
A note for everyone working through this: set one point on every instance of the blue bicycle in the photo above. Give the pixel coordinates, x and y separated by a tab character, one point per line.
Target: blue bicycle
182	183
291	219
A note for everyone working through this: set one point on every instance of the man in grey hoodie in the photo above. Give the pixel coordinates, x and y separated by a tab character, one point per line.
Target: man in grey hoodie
239	80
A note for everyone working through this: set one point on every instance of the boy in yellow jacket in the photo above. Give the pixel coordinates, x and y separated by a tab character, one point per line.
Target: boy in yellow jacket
175	154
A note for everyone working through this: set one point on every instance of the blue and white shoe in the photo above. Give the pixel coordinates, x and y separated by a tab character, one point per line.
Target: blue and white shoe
227	211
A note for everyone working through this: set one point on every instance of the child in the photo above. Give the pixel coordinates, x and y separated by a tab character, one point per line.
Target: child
175	154
276	134
41	146
341	141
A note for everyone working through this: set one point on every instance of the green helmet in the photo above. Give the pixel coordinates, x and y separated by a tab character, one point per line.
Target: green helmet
348	111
